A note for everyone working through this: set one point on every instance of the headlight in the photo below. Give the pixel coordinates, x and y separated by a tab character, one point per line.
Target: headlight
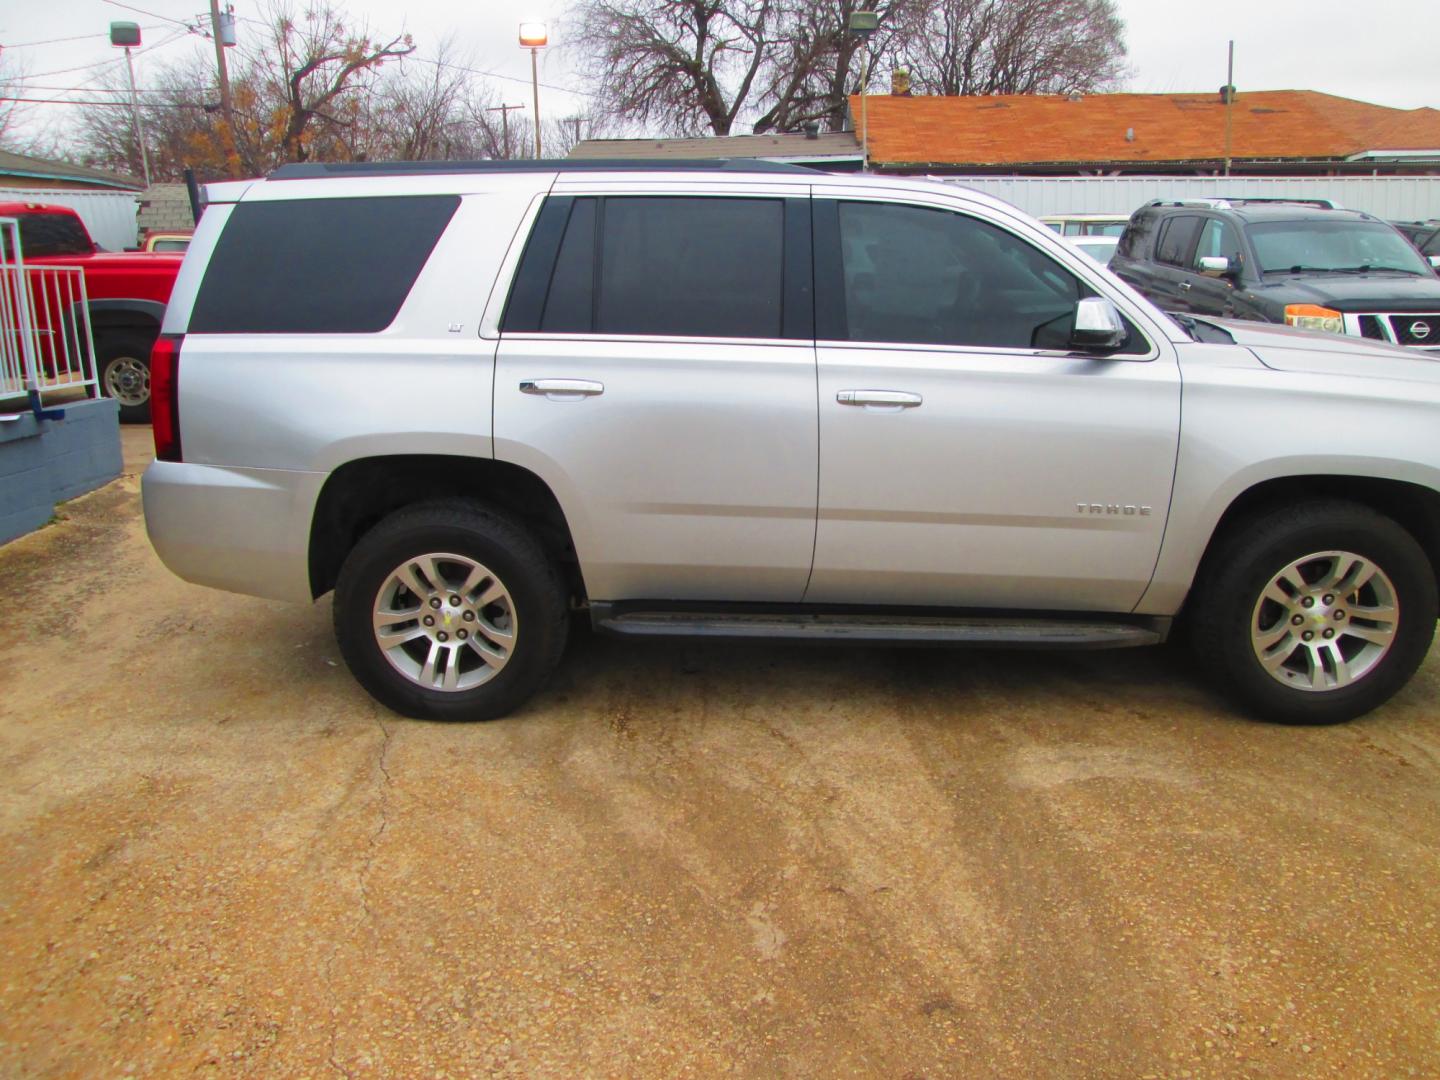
1314	317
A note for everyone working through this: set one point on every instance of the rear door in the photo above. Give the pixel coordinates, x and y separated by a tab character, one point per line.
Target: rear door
656	368
1170	273
969	458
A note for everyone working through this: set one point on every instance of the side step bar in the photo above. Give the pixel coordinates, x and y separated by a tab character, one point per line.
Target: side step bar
995	631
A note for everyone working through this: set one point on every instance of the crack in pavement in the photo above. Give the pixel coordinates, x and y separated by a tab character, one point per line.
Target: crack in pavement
362	880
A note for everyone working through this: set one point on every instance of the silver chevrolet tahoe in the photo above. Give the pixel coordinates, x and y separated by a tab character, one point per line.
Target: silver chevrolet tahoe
758	401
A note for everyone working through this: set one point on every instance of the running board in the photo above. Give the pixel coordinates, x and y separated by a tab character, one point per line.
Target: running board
1012	631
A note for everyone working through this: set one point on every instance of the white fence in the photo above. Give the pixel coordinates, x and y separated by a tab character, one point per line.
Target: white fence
46	341
1395	198
109	216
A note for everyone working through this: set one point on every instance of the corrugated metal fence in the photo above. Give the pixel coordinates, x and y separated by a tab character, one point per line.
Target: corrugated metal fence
109	216
1396	198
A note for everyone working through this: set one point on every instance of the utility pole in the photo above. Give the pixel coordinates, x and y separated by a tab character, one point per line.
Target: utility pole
232	155
1229	104
504	111
577	121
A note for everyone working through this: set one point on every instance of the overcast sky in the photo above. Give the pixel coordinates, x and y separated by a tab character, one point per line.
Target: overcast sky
1382	51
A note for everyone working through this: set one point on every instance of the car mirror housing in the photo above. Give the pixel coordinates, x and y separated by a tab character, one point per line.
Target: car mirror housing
1215	265
1434	261
1098	325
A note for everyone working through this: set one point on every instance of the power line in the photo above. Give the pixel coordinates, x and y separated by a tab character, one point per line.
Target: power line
154	15
496	75
105	63
58	40
115	104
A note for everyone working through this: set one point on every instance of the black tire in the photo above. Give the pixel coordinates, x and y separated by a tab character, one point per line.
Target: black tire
122	363
514	557
1251	554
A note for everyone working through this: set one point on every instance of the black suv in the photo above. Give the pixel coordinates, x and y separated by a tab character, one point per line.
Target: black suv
1425	235
1306	264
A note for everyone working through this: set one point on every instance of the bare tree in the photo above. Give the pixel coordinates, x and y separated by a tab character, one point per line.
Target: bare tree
683	66
19	131
1016	47
312	63
817	63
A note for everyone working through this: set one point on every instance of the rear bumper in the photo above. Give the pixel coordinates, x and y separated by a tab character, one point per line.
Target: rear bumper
242	530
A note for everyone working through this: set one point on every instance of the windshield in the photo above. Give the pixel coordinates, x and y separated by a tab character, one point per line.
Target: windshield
1338	246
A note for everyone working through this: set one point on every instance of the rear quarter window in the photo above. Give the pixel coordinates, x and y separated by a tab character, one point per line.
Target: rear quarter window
318	266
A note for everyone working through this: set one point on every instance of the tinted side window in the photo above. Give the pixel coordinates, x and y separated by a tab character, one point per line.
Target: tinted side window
923	276
318	266
691	267
572	285
1217	240
1176	237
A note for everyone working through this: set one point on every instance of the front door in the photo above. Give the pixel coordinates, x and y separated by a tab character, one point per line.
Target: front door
968	457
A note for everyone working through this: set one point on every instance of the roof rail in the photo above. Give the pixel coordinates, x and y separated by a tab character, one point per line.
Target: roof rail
1229	202
314	170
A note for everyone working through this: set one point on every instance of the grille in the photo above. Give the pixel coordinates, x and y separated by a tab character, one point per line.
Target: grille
1422	330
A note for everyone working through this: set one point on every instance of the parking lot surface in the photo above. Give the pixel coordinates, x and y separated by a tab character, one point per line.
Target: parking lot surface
682	860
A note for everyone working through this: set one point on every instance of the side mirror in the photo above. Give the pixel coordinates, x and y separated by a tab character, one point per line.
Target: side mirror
1434	261
1098	325
1215	265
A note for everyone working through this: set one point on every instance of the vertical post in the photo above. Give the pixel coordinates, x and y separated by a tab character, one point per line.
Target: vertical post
535	85
865	109
1229	104
135	115
227	109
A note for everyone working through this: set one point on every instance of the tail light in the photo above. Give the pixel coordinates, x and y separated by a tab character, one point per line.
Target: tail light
165	396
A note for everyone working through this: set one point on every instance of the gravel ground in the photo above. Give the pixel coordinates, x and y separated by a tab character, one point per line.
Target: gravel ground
218	856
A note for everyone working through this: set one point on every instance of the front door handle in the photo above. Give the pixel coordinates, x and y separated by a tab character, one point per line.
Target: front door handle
561	389
887	399
1185	285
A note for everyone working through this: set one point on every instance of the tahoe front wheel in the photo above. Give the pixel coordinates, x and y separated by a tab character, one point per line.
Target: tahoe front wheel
446	611
1314	613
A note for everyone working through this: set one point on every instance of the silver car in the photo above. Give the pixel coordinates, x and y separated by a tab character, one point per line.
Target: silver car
736	401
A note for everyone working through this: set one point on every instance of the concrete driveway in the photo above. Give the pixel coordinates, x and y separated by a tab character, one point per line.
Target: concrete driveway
217	856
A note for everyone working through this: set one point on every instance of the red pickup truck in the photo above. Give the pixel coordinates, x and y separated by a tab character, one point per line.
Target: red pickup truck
127	293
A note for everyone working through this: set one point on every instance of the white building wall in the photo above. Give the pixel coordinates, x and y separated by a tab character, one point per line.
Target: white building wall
108	215
1395	198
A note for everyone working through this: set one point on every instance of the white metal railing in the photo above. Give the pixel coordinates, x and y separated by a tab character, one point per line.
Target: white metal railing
46	341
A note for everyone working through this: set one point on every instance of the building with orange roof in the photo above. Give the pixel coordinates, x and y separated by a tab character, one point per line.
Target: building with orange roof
1286	132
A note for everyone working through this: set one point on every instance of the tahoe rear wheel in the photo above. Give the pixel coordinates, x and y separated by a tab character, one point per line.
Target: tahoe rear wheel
447	611
123	368
1314	613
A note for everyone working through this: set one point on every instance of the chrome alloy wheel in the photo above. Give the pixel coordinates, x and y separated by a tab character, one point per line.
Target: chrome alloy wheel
445	622
1325	621
127	380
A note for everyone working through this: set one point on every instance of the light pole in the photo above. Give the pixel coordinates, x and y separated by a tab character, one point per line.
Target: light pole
534	36
126	35
864	23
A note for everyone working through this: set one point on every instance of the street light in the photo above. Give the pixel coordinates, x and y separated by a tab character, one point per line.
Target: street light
533	36
863	24
126	35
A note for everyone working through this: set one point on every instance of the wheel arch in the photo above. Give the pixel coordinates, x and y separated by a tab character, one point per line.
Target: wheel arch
140	315
360	493
1414	507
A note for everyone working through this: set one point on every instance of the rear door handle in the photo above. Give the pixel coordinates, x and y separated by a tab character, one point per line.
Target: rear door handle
887	399
561	389
1185	285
